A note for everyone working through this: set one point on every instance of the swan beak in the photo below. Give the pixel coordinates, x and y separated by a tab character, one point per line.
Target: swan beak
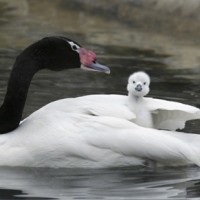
95	66
88	61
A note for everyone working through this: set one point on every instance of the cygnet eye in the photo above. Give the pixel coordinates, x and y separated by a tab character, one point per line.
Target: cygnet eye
133	81
144	83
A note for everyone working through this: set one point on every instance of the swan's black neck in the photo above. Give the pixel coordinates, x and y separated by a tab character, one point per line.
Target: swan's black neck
13	105
52	53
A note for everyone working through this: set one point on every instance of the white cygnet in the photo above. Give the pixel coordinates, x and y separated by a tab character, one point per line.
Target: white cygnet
138	87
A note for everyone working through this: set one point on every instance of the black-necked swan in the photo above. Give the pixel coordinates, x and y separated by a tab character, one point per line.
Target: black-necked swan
90	131
138	87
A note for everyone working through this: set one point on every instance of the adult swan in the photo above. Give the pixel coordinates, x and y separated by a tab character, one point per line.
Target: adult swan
66	133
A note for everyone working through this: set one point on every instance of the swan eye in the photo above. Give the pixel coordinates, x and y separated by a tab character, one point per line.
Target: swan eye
144	83
133	81
74	47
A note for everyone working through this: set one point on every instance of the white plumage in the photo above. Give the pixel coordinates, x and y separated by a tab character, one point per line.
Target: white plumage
156	113
138	87
77	132
167	115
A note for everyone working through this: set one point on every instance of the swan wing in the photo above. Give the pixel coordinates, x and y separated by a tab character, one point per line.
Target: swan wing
95	105
171	115
79	140
130	140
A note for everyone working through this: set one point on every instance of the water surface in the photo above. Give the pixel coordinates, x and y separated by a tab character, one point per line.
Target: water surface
114	183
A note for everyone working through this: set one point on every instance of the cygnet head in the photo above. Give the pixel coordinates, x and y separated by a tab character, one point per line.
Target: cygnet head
138	84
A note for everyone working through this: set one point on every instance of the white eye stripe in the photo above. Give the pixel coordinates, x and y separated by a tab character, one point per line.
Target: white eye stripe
74	46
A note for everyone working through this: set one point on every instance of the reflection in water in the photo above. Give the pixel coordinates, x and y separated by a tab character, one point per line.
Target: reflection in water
124	49
115	183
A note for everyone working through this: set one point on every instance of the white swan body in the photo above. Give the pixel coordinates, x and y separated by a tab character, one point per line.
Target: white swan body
84	141
75	133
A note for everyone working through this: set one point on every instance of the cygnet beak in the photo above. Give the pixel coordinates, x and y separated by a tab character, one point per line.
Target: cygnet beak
138	88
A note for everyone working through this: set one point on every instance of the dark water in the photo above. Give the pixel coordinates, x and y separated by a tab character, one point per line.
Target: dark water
175	72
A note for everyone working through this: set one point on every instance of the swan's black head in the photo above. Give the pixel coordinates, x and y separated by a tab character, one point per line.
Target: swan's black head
59	53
